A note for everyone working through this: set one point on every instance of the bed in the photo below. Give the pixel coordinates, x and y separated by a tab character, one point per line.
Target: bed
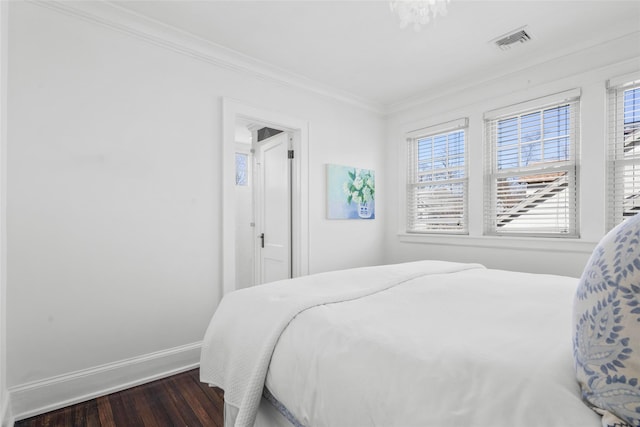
426	343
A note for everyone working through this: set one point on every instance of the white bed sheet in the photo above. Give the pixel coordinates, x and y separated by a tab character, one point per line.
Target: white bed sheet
473	348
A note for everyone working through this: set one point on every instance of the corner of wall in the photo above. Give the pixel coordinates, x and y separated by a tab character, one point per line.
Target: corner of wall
5	402
6	418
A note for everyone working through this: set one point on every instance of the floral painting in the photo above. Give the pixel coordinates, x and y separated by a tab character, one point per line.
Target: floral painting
350	193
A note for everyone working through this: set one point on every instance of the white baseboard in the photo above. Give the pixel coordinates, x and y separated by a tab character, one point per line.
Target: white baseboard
46	395
6	419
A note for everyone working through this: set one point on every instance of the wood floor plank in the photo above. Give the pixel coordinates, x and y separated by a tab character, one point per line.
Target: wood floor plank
56	419
214	395
129	414
85	415
179	400
144	404
193	397
118	409
162	406
181	403
105	415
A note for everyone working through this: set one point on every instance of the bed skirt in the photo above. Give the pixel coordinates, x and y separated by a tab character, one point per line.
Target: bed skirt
271	413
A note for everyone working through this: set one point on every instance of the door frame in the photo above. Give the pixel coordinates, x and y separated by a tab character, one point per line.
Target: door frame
299	129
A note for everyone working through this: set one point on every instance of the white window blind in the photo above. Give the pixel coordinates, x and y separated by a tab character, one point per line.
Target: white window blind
437	179
623	185
531	163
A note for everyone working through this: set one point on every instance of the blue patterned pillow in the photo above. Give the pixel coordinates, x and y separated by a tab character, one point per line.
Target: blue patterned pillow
606	316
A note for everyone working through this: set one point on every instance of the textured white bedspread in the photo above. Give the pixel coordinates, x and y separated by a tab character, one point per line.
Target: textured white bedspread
247	324
474	348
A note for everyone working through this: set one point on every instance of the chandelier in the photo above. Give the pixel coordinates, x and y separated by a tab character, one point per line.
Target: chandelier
418	12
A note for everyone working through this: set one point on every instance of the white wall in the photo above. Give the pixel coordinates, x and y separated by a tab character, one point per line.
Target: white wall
588	70
114	201
5	413
244	237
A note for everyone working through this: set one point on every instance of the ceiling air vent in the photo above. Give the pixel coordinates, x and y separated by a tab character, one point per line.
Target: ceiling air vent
507	41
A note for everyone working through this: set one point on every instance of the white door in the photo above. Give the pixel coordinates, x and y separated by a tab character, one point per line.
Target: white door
273	210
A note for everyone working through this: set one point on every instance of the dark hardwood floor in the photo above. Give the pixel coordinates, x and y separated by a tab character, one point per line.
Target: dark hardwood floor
180	400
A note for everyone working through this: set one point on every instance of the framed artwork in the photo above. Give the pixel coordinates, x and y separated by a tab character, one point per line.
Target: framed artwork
350	193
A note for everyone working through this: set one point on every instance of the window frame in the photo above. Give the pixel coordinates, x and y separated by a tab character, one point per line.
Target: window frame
616	160
416	226
568	168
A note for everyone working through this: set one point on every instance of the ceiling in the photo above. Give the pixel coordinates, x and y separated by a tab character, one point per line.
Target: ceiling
357	47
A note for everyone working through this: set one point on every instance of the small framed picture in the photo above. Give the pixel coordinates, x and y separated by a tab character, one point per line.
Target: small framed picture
350	192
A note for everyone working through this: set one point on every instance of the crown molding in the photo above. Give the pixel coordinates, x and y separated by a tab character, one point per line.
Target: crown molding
118	18
599	56
123	20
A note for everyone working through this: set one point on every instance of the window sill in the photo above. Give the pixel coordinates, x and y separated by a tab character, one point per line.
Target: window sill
502	242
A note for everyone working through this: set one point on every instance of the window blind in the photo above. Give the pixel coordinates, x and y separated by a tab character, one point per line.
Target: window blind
623	184
531	168
437	179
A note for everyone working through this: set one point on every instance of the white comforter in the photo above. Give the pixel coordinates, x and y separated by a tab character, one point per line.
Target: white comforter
417	344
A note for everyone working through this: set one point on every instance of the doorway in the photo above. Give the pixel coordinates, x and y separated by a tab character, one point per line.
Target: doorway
296	134
263	204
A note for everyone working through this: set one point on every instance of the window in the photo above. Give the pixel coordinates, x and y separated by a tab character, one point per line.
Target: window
242	169
624	151
437	179
531	168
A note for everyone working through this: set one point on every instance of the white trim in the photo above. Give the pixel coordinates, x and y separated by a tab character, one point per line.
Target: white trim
569	168
231	110
118	18
618	183
46	395
412	180
629	79
601	53
439	128
540	244
416	127
538	103
6	419
5	400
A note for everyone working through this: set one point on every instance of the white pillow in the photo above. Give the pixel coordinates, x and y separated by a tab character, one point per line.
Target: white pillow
606	317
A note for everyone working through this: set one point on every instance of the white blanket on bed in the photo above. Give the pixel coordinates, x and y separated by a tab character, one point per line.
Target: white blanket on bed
476	348
247	324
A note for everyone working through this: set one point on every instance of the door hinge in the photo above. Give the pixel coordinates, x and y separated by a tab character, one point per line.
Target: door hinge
291	154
